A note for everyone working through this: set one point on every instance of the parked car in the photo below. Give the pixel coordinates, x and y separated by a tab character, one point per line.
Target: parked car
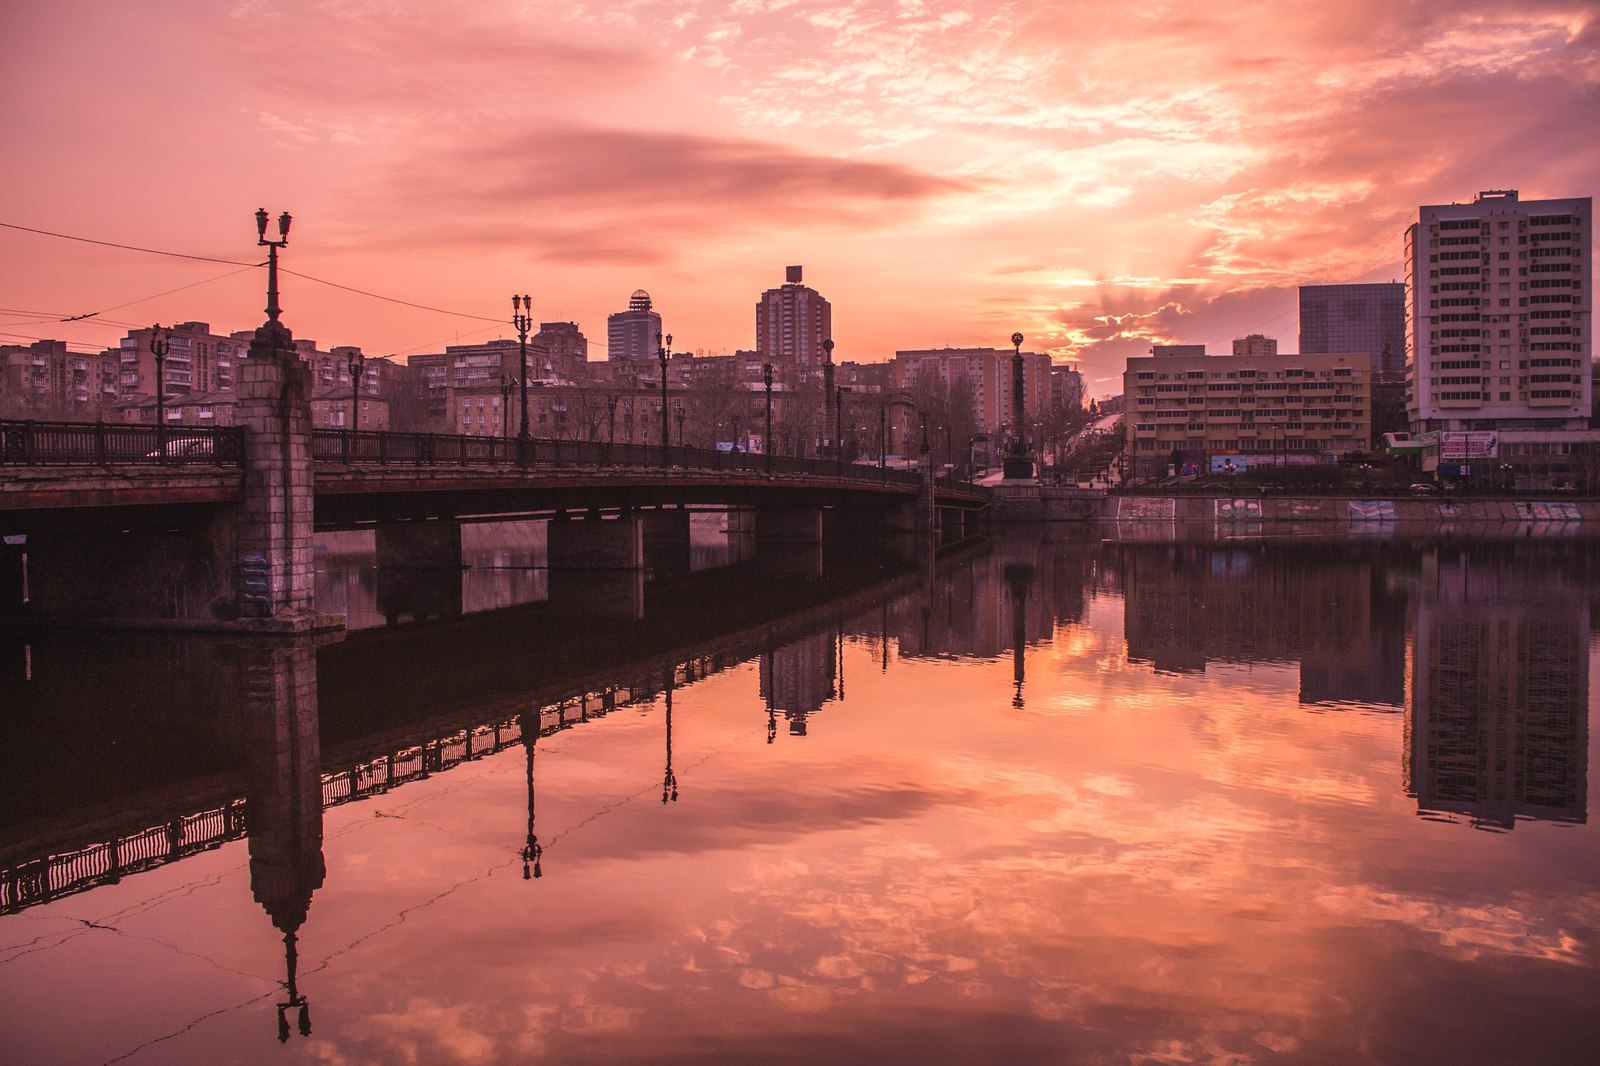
1422	488
185	448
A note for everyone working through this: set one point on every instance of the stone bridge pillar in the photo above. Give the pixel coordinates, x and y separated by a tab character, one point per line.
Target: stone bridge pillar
419	569
789	540
597	566
666	542
274	576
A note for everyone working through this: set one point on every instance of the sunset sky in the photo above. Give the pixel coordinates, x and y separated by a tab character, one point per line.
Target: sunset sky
1097	176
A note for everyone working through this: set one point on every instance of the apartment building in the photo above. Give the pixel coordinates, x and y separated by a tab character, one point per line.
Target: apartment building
988	372
1498	298
197	360
1253	409
793	321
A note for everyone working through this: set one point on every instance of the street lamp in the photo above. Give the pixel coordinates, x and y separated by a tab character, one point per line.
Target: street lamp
827	388
1017	391
883	433
766	379
663	353
522	318
355	367
507	383
159	346
272	309
677	410
838	424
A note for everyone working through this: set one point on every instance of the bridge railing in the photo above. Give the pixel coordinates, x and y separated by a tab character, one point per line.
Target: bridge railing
51	877
442	449
35	443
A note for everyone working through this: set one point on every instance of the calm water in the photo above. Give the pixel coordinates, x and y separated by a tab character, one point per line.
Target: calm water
1044	803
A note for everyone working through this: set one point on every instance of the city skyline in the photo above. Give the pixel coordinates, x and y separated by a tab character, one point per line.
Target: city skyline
1167	179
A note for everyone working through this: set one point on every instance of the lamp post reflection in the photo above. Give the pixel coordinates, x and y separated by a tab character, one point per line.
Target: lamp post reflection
669	780
532	852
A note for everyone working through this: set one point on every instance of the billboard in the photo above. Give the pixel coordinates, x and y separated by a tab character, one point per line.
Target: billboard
1469	444
1229	464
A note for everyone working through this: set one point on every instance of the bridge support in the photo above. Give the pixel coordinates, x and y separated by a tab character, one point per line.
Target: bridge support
419	569
789	540
274	573
666	542
927	513
597	566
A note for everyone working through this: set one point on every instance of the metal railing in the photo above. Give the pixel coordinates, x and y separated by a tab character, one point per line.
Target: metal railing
33	443
37	443
51	877
365	447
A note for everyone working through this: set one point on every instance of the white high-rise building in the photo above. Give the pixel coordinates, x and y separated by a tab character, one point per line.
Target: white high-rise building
1498	297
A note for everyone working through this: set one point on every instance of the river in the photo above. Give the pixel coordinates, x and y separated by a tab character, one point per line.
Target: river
1040	801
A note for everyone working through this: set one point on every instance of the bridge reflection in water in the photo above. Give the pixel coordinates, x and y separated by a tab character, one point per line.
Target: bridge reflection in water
1498	637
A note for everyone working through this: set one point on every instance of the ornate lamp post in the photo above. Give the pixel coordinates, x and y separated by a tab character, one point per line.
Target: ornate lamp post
1018	465
356	366
677	411
663	353
273	310
522	318
883	433
159	346
827	388
838	425
766	379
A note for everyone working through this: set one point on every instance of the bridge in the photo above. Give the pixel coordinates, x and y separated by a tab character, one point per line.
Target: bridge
212	528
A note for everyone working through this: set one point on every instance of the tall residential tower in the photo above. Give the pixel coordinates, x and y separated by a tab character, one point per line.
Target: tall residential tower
792	322
1497	294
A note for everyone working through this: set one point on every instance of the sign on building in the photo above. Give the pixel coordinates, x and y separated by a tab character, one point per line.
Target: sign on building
1469	444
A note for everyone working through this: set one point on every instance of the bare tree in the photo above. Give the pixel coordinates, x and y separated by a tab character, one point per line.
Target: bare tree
715	398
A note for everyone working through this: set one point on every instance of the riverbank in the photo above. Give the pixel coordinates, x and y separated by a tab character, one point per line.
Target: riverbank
1191	516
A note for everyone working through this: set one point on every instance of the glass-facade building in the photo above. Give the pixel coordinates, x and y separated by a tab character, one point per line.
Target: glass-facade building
1356	318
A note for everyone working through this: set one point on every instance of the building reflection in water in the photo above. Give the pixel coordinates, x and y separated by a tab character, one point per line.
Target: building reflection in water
1497	726
798	678
1188	605
1496	698
283	808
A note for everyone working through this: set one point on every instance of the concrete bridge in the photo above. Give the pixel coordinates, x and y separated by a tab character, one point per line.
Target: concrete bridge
213	527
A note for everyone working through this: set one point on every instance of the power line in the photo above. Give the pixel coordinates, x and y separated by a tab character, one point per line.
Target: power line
48	317
231	262
389	299
125	247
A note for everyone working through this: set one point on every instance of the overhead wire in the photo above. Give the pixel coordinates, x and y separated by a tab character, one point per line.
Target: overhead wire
228	262
388	299
129	303
125	247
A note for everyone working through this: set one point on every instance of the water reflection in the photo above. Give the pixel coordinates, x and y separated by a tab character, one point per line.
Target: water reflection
1039	823
1498	722
283	803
